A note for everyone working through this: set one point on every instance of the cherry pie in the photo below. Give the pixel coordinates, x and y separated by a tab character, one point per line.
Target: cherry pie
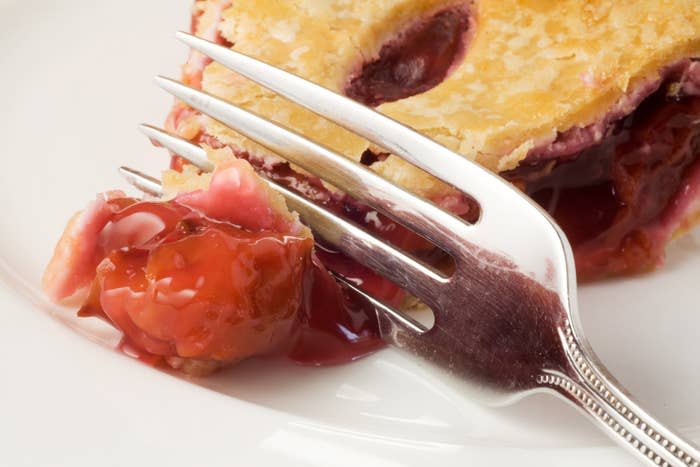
592	108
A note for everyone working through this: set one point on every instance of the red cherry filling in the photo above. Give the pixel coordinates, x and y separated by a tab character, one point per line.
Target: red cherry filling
610	198
211	277
200	288
335	326
413	62
210	291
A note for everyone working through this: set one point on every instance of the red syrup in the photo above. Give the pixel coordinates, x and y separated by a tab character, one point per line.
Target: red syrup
211	291
606	197
414	61
336	326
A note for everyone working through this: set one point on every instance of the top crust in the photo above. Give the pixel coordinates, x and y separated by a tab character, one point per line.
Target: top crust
533	68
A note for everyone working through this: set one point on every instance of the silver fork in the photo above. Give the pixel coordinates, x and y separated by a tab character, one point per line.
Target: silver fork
506	321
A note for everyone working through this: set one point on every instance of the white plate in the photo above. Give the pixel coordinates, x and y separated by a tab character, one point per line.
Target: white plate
75	79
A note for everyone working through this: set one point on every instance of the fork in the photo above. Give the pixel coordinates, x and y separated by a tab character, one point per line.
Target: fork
505	321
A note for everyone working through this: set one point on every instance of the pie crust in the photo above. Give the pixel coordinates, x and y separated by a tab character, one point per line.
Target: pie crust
527	82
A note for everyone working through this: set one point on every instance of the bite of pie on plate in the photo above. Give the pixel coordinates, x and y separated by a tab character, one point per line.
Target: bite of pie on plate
592	108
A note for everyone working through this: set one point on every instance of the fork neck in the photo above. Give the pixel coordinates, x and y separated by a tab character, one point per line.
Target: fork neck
588	386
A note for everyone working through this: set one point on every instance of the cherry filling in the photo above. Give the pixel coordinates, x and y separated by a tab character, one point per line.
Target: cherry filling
335	326
214	292
608	198
417	60
199	288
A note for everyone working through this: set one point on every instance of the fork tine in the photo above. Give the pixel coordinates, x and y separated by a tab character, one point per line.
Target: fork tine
141	181
180	146
406	272
503	207
422	216
402	318
189	151
399	139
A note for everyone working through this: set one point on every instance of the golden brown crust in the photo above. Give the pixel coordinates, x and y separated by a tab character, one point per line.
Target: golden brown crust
532	69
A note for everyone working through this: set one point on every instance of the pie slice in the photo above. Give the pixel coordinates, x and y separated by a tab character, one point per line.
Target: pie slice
590	107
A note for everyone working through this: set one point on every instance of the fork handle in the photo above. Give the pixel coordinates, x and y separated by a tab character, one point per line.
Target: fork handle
591	388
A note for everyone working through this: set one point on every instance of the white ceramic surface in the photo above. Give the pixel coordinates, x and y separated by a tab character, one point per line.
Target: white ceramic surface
68	399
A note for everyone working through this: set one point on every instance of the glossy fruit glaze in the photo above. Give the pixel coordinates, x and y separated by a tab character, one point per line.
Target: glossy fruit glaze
199	288
414	60
211	291
608	197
